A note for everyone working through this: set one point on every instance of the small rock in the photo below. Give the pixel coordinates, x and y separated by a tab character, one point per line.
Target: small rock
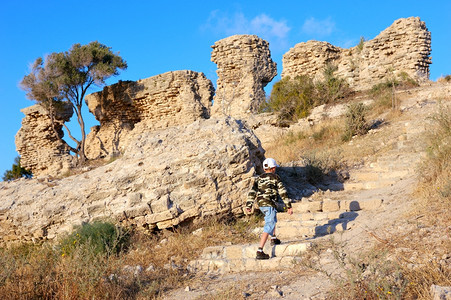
198	232
440	292
187	289
112	277
150	268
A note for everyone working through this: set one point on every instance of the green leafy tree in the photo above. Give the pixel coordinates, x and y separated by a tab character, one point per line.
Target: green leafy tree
65	77
16	171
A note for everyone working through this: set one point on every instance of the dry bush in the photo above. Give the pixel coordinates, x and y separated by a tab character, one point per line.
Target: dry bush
435	182
444	79
290	146
398	267
355	121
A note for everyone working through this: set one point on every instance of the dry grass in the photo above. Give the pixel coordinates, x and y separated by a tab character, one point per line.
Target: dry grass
32	271
291	146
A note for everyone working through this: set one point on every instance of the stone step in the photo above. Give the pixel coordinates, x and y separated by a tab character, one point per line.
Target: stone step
238	258
223	266
288	229
369	185
317	216
249	250
334	207
371	175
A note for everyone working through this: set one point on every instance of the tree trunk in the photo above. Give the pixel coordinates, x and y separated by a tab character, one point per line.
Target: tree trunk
81	153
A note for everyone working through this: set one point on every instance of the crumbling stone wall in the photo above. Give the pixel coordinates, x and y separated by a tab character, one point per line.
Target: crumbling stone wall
245	67
405	46
161	101
37	144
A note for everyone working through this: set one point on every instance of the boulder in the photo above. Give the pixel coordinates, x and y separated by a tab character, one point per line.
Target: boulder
165	177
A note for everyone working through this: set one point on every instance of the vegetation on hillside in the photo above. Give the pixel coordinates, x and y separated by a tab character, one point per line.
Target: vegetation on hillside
16	172
294	98
103	261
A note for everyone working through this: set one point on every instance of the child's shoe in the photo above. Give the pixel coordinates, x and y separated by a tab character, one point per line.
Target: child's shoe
261	254
275	241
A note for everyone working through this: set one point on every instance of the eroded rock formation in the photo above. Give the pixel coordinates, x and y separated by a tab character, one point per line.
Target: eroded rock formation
166	176
405	46
169	99
40	149
245	67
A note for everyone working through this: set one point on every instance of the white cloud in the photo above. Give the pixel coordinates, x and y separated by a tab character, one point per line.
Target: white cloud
313	26
266	25
274	31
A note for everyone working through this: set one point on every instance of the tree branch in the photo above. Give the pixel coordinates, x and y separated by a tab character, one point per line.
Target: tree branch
75	150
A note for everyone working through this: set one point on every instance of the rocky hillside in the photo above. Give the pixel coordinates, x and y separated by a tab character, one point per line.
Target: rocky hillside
372	208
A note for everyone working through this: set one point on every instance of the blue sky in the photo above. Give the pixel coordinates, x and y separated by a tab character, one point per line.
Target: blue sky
160	36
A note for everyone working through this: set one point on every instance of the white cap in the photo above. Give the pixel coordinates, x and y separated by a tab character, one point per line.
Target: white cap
269	163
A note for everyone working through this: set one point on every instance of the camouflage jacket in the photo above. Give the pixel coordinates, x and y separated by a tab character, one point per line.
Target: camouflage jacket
265	189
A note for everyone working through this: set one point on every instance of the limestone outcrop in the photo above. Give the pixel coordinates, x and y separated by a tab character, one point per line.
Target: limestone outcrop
40	149
169	99
405	46
165	176
245	67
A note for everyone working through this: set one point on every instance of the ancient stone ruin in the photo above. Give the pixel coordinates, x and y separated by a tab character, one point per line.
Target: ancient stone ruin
405	46
245	67
182	157
40	149
161	101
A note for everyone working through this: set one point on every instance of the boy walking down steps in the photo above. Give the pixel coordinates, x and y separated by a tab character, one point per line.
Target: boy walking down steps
265	190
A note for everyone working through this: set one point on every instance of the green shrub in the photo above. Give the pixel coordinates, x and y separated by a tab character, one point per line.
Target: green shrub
360	44
448	78
291	98
294	98
355	121
332	88
16	171
98	237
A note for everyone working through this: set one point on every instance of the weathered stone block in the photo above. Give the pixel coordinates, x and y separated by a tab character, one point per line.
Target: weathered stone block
331	205
234	252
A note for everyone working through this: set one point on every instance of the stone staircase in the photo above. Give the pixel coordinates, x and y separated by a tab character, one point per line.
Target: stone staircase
238	258
396	160
310	219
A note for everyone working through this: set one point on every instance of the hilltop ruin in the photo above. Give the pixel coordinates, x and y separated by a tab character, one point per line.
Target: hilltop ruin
405	46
